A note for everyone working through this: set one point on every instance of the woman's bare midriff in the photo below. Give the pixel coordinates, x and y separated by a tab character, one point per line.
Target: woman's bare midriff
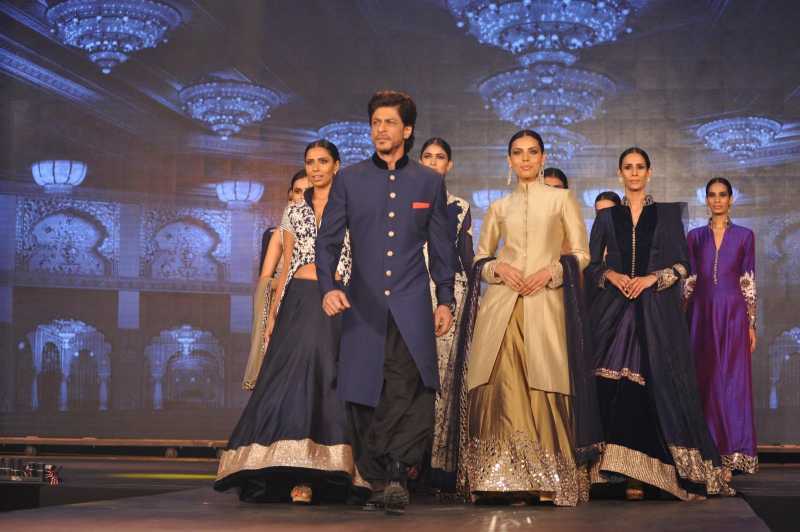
306	271
309	272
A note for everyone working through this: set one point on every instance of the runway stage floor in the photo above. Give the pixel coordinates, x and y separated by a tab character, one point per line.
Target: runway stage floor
200	508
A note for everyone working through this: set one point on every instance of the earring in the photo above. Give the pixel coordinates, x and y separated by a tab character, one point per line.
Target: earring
508	181
541	174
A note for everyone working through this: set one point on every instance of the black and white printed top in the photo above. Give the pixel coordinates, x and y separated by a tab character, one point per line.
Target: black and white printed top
299	220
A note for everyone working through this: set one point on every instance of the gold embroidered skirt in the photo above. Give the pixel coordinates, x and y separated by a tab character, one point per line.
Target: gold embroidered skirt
521	439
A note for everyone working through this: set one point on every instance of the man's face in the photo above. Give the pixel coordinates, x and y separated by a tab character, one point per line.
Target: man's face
388	131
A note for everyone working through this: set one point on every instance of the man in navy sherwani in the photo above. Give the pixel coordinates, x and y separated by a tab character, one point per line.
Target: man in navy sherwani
388	371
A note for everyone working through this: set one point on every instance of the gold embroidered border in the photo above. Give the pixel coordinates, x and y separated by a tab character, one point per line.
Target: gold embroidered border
639	466
740	462
691	465
624	373
519	464
304	453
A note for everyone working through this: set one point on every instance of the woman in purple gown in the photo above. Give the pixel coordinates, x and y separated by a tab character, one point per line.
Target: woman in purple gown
721	294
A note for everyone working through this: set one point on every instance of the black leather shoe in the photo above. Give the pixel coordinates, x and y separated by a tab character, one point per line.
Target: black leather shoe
395	496
375	500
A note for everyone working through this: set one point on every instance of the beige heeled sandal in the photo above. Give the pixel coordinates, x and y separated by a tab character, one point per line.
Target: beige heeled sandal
301	494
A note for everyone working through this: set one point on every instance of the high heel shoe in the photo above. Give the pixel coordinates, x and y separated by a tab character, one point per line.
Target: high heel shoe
301	494
634	491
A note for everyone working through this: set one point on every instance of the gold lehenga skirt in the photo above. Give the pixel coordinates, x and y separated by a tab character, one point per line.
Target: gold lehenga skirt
521	439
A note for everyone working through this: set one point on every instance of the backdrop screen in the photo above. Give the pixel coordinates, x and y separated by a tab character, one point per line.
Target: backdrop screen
139	169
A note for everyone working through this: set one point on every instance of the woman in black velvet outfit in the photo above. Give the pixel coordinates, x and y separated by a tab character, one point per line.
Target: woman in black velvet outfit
648	396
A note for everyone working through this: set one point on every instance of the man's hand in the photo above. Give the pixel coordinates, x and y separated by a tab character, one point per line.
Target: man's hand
510	276
443	319
536	281
752	339
335	302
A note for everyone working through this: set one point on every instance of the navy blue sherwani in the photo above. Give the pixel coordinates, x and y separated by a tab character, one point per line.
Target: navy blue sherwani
390	214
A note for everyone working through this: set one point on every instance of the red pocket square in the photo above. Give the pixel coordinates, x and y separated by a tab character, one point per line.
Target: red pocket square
420	205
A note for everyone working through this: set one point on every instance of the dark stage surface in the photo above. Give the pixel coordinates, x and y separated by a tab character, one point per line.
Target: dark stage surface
176	495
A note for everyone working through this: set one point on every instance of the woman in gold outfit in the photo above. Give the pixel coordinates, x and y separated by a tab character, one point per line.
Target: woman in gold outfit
521	423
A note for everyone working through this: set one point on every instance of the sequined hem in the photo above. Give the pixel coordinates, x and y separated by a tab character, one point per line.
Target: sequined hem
639	466
688	465
519	464
306	454
624	373
740	462
692	466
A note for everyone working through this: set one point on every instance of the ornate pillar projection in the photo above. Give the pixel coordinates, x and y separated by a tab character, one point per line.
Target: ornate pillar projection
241	305
66	351
158	391
8	362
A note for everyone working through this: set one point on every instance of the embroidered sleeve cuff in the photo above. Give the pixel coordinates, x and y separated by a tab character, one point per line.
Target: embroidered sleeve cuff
556	275
665	278
688	286
489	274
747	283
601	283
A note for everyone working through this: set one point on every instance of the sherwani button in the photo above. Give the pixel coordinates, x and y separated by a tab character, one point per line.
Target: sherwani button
390	253
391	214
388	273
393	195
387	292
391	177
390	233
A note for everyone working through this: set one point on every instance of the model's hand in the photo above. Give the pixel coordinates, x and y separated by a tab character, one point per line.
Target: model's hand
443	319
639	285
335	302
535	282
620	280
752	339
510	276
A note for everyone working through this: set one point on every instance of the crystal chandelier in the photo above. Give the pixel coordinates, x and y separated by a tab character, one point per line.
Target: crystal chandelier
546	93
522	26
110	30
353	140
739	137
240	194
225	106
58	176
560	144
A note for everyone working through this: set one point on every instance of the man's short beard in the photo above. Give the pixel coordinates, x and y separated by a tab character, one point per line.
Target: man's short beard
390	149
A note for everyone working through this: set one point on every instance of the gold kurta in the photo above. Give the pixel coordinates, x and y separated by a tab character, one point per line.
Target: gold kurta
537	224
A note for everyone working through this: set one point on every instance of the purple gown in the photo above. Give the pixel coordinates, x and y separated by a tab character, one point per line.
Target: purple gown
721	295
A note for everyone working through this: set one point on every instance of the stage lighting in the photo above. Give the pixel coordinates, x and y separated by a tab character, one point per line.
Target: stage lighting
739	137
353	140
240	194
58	176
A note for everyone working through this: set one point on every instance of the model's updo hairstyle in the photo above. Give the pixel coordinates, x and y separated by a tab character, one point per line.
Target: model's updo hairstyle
329	146
297	176
608	195
722	180
437	141
558	174
526	133
634	149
